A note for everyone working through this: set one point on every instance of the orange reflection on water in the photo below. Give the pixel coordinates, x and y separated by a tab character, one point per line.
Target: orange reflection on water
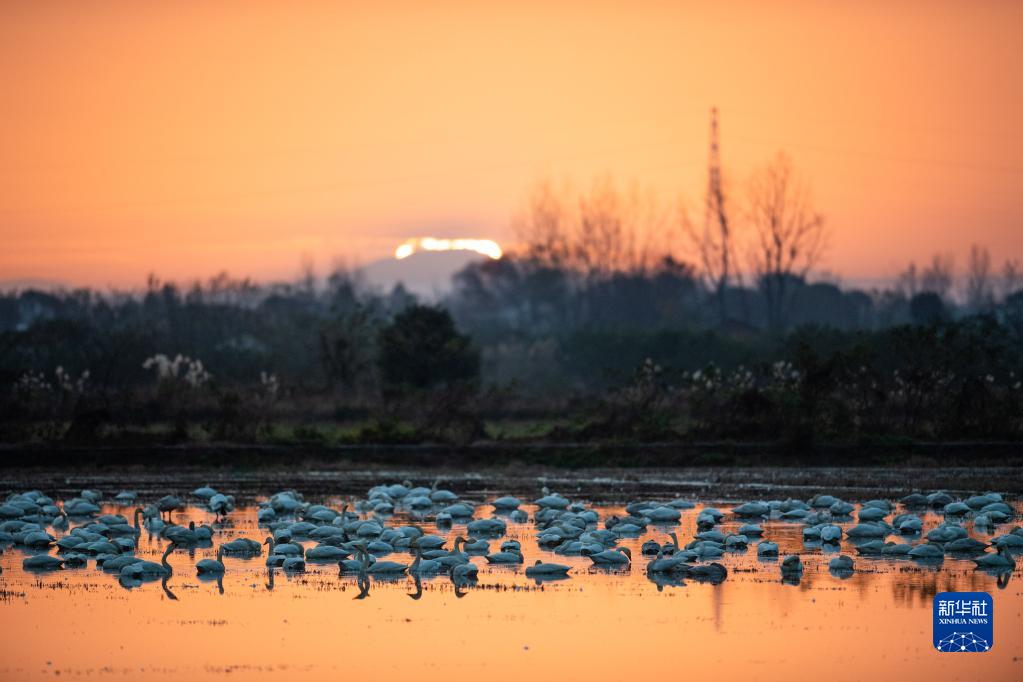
594	624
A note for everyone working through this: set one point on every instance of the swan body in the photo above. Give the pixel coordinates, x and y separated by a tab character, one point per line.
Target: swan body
144	569
427	542
651	548
713	572
752	510
871	514
287	549
841	508
487	526
117	563
211	566
1008	541
481	547
204	493
663	515
42	562
946	532
503	557
841	563
463	572
662	564
126	497
551	501
295	564
791	564
381	567
619	556
965	545
424	566
926	551
542	568
997	561
326	553
241	546
867	530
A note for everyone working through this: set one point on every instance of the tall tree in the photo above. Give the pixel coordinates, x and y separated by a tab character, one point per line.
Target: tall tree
790	234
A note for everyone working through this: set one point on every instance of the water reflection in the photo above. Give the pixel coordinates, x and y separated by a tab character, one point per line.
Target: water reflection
738	613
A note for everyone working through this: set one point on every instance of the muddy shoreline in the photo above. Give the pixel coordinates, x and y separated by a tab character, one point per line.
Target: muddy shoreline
251	475
518	453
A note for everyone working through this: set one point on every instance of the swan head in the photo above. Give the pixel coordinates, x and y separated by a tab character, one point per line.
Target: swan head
626	551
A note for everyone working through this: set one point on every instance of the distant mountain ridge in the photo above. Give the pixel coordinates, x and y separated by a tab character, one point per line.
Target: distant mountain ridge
427	274
33	283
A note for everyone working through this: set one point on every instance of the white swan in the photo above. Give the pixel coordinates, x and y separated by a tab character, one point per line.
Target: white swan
326	553
511	556
42	562
211	566
662	564
542	568
141	569
380	567
841	563
464	572
791	565
423	566
619	556
998	561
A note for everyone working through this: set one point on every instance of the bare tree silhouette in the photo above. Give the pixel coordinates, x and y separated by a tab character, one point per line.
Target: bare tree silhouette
790	234
980	293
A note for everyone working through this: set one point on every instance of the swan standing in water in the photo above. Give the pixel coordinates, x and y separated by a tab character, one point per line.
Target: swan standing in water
168	504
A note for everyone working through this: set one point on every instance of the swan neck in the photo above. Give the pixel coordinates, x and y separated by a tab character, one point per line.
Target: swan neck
166	553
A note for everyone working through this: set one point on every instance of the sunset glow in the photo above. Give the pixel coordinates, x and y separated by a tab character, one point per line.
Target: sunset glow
484	247
189	138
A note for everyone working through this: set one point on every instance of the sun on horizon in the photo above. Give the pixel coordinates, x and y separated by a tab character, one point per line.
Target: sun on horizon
484	247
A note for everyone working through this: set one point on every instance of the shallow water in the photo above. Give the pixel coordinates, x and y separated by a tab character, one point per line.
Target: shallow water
258	624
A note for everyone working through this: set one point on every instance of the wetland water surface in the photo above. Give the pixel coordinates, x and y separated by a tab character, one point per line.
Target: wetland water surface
596	623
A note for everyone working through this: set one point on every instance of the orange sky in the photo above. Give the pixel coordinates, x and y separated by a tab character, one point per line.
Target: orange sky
185	138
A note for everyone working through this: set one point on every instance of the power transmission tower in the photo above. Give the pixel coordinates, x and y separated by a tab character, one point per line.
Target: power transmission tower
717	231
